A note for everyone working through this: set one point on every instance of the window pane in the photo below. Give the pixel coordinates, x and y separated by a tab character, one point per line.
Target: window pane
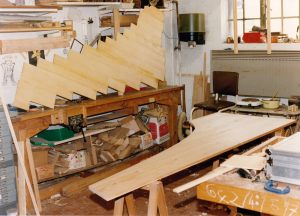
239	9
275	8
240	28
290	27
250	23
290	8
276	25
252	8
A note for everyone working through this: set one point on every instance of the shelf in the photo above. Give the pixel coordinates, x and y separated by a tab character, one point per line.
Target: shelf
29	9
10	30
88	3
152	150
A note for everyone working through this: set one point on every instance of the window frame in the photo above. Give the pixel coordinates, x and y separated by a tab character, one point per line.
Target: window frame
263	17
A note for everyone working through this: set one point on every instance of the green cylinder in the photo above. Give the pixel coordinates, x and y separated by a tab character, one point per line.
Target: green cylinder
191	28
191	23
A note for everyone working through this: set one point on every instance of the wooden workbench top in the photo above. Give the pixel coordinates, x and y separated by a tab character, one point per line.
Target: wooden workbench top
213	135
235	191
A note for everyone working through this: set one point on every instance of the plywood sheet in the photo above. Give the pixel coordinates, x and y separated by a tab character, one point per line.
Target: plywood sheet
245	162
213	135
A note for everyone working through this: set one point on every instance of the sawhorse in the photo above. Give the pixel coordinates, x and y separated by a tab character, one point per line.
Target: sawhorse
157	201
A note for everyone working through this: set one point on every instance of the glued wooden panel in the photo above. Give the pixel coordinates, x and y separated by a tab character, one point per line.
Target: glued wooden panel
38	76
213	135
67	64
131	56
155	13
95	71
146	77
112	67
133	35
27	92
148	56
72	80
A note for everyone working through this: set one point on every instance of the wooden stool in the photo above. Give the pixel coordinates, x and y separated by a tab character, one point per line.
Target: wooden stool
157	201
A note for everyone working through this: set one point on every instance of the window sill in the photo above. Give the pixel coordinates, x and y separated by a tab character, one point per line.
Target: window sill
263	46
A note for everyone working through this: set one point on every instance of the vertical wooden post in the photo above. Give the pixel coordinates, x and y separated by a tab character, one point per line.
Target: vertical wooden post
269	39
235	27
17	147
33	175
116	16
119	206
21	184
130	205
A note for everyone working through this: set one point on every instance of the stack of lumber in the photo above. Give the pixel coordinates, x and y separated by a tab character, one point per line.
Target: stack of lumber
133	58
118	143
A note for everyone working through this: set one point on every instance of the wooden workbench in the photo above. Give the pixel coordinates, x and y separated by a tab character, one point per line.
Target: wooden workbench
232	190
214	134
236	192
28	124
280	111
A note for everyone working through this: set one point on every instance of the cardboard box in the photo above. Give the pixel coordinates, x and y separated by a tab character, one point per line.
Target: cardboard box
77	160
159	129
45	171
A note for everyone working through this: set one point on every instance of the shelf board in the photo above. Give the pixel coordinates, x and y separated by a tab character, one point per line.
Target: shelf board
9	30
29	9
88	3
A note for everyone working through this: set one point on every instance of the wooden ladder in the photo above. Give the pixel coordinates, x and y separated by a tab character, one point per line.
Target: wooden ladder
157	201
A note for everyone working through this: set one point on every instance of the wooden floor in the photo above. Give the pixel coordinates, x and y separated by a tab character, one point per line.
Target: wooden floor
186	203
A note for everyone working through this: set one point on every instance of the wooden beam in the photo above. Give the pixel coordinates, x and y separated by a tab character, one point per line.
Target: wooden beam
269	38
235	27
116	16
32	44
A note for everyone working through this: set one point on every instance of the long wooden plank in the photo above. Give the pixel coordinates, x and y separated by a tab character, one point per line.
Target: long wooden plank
213	135
71	80
68	65
25	45
95	72
112	67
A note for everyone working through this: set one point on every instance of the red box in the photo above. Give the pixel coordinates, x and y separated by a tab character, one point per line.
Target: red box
254	37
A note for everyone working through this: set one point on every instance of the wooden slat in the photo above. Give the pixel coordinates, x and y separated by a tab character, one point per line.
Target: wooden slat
112	67
25	45
71	80
213	135
113	52
95	71
145	76
80	73
132	56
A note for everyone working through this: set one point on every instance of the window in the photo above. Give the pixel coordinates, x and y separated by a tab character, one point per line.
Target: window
284	16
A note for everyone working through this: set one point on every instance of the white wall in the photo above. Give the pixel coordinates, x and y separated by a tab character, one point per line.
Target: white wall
191	60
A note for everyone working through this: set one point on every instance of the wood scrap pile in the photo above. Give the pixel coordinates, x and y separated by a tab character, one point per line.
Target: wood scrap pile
133	58
121	142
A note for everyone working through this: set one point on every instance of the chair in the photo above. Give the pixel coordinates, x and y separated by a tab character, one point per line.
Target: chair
224	83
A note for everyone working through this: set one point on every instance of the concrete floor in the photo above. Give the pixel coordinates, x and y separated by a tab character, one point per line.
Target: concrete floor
86	203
